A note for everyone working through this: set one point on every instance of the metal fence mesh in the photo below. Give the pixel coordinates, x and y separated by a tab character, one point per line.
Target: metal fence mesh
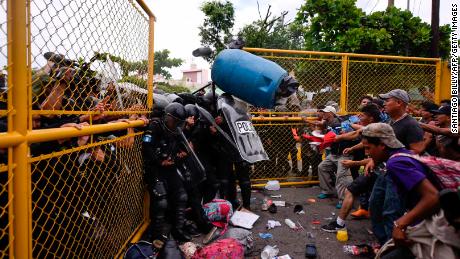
86	51
322	77
372	78
6	198
288	158
87	201
319	78
6	222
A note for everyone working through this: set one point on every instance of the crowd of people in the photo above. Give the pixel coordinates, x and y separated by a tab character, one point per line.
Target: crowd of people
397	188
376	157
61	85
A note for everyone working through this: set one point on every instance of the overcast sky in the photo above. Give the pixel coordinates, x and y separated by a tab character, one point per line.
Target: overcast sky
177	23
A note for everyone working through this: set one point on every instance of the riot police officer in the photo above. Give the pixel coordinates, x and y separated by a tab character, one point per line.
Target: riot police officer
163	155
197	132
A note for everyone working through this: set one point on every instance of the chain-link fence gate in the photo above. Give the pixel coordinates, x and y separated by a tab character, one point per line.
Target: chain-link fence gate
337	79
76	78
72	90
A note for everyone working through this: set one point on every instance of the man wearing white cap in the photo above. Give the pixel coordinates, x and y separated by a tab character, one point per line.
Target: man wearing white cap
332	167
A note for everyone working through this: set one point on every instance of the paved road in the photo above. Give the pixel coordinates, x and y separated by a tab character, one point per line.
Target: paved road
293	242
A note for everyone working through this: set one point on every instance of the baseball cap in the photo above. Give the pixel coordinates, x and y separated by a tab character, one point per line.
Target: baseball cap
442	110
384	132
396	93
329	109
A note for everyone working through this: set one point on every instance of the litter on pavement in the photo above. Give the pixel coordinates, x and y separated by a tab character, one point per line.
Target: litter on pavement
279	203
272	224
269	252
273	186
265	235
244	219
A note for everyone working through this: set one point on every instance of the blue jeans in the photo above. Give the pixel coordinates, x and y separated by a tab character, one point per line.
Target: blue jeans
385	207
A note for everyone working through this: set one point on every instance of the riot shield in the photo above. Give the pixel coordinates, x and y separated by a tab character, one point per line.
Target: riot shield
246	138
228	145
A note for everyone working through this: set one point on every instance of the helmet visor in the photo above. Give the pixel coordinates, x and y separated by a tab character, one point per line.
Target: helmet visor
172	123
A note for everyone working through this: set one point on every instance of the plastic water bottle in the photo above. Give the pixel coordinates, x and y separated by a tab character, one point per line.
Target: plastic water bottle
310	172
290	223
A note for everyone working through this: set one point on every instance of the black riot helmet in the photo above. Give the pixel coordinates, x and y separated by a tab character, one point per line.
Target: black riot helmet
208	101
174	116
192	110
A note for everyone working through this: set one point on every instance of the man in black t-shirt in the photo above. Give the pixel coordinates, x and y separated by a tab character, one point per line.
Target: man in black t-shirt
406	128
384	202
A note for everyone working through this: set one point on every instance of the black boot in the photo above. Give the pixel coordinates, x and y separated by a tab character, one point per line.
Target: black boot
180	235
246	194
178	230
191	228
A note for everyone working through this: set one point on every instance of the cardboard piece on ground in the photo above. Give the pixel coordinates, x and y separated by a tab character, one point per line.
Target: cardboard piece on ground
244	219
279	203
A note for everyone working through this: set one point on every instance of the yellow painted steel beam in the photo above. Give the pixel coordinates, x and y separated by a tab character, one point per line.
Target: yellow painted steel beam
61	112
77	149
445	81
437	87
11	139
135	236
146	9
151	53
261	185
306	52
344	86
17	58
408	64
259	119
43	135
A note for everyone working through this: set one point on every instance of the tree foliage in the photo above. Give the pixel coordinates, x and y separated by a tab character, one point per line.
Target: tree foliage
340	26
163	62
217	25
272	32
167	88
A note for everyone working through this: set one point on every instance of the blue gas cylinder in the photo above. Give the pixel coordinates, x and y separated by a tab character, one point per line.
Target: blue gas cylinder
247	76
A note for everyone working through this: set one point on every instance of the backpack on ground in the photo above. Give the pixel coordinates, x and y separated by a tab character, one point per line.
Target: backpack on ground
222	249
446	171
140	250
219	212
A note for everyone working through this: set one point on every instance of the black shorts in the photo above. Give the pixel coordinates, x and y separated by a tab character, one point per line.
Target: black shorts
362	184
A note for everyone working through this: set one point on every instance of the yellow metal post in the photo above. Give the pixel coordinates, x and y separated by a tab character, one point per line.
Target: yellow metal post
437	87
151	63
445	81
22	223
344	85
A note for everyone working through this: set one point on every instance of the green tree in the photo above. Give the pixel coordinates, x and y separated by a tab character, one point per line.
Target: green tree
163	62
272	32
215	31
340	26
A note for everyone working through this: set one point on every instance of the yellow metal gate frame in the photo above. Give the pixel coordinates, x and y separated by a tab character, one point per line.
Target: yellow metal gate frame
20	135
